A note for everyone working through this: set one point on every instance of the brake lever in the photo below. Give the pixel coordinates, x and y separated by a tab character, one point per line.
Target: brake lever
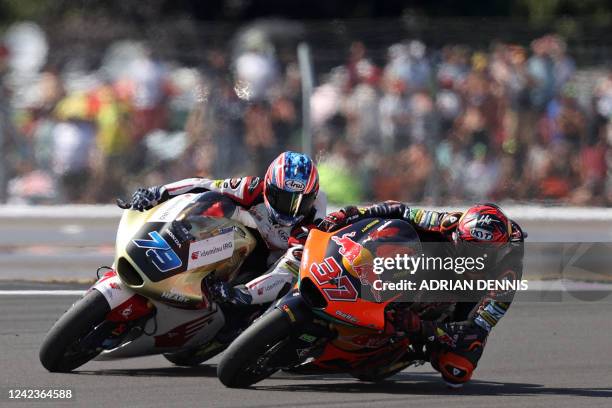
123	204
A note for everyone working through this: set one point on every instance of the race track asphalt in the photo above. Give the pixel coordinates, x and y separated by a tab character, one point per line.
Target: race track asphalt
541	355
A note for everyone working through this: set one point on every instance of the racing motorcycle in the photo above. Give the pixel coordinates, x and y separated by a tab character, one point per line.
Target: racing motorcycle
334	320
156	299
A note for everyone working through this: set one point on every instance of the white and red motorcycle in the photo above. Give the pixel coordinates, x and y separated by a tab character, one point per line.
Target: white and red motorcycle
155	298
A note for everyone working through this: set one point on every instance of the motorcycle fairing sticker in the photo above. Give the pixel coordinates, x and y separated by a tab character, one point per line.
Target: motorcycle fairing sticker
211	250
160	253
156	253
346	244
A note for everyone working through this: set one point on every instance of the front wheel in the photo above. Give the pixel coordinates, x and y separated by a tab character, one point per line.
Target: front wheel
64	348
246	360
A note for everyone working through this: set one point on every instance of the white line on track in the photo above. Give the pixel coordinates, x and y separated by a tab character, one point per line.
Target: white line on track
42	292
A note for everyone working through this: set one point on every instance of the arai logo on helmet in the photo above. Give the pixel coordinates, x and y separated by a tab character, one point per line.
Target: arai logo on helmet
481	234
295	185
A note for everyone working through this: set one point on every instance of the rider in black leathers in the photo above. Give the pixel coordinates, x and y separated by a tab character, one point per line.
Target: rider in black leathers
454	347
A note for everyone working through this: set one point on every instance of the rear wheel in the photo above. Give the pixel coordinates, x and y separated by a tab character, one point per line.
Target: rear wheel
249	359
65	347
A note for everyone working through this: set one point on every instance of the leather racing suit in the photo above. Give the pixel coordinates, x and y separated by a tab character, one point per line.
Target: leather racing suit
455	346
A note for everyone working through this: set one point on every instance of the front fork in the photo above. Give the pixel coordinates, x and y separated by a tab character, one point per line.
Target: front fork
308	332
128	314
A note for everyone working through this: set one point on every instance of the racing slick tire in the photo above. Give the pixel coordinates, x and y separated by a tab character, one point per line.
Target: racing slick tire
61	350
244	361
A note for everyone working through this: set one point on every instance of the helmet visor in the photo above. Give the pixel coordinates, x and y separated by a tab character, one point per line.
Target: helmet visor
288	202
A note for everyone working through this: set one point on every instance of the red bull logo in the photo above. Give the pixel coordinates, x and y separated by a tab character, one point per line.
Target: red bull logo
348	248
351	250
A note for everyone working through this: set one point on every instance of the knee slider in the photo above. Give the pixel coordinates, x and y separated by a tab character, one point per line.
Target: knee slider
455	368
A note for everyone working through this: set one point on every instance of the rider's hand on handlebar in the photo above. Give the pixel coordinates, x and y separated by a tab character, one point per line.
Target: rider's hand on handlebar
339	219
146	198
222	292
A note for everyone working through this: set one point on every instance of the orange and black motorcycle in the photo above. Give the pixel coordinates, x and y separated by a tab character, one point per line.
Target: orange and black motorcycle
334	320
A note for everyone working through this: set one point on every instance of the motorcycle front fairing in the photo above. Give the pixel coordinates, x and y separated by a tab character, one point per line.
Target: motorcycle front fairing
337	270
334	298
151	261
157	277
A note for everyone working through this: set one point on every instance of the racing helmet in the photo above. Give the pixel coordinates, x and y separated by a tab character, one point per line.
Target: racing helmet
483	230
291	185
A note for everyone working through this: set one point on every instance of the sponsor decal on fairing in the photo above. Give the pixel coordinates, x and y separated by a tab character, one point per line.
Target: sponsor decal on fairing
211	250
159	252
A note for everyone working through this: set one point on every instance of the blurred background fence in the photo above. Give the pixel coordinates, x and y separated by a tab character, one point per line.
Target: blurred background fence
420	109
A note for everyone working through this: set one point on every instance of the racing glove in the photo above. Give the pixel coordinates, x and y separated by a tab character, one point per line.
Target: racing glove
340	218
146	198
223	292
299	235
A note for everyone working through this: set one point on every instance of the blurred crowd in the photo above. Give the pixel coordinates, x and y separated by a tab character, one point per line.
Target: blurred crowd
456	125
507	122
